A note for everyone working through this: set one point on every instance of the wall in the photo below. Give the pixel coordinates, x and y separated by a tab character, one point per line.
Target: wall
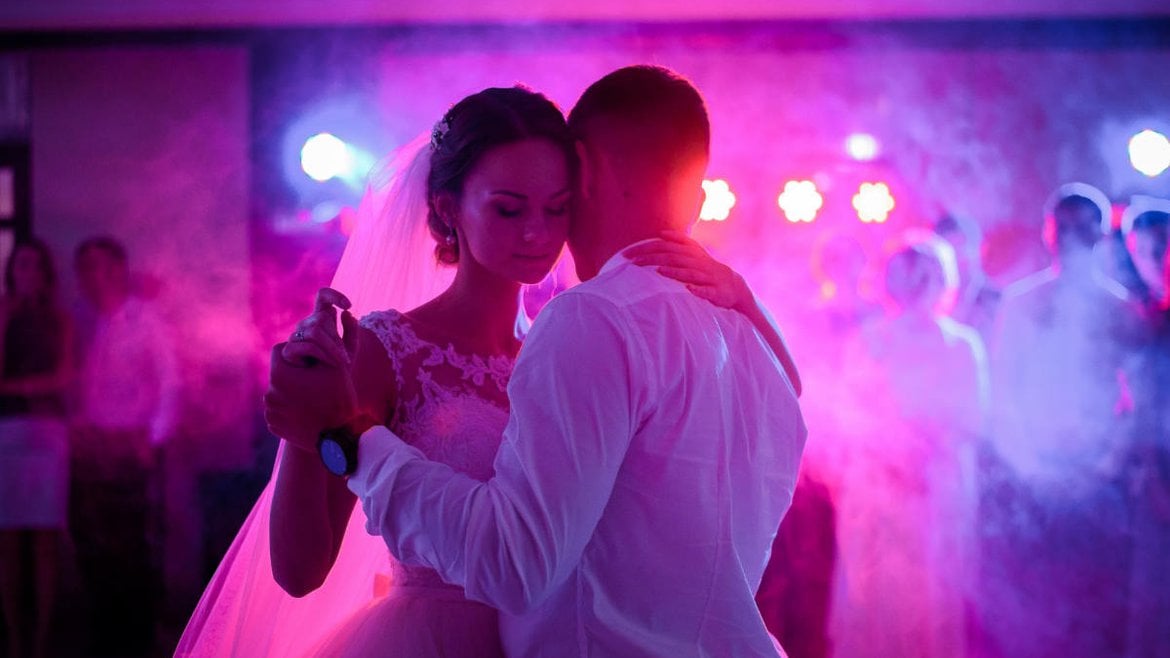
150	145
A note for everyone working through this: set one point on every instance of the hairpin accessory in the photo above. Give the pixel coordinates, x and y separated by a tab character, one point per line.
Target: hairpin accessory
440	131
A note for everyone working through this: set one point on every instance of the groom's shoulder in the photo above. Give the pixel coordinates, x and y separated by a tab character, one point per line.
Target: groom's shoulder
607	297
623	285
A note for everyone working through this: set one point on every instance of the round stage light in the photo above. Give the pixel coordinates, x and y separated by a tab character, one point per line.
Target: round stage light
873	202
324	156
718	200
862	147
800	201
1149	152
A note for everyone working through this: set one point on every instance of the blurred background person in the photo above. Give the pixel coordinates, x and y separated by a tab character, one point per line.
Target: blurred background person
1055	516
838	265
840	306
1145	227
1132	254
126	405
905	508
1149	609
976	299
35	371
795	595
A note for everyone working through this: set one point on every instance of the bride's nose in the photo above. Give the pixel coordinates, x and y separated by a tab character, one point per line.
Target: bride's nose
534	230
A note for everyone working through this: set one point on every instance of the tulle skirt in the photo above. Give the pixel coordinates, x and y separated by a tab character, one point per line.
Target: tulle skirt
414	621
34	472
363	609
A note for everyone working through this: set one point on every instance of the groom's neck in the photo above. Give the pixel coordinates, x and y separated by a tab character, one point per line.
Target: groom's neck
616	231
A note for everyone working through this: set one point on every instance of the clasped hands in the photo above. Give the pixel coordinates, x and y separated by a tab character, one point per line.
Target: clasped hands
310	385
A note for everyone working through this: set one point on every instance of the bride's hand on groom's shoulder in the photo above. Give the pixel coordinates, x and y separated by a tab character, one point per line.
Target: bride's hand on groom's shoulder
681	258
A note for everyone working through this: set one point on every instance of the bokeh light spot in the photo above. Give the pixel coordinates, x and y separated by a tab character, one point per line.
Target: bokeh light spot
862	147
1149	152
800	201
873	202
324	156
718	200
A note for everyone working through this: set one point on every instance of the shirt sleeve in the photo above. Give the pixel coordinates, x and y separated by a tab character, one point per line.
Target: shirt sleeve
778	346
575	399
158	336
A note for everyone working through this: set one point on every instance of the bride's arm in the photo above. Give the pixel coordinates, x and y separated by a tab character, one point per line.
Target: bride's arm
759	316
311	507
679	257
310	510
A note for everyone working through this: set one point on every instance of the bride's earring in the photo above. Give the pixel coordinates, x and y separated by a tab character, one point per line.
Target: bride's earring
450	239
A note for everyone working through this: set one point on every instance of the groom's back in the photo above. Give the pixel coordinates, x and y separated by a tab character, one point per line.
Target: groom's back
675	560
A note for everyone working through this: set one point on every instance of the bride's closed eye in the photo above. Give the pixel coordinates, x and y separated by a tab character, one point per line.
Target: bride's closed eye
510	211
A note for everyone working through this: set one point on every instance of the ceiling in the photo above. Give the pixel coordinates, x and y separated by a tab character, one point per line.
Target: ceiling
35	15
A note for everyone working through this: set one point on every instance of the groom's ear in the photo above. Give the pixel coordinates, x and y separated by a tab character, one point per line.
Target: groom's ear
584	169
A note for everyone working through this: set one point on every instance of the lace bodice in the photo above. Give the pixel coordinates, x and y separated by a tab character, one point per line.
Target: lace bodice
450	405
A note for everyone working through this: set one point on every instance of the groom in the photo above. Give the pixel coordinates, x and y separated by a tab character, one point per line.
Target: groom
653	443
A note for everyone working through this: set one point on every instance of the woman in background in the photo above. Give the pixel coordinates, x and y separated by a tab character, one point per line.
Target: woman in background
35	365
917	388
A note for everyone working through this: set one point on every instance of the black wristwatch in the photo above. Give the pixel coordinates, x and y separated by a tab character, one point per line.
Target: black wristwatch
338	449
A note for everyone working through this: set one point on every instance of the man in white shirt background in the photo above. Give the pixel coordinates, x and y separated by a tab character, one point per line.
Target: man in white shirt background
124	411
654	439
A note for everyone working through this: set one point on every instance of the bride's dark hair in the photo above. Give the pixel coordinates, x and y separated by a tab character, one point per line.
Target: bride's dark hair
472	127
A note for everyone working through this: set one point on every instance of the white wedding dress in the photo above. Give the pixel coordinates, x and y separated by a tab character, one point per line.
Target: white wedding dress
452	406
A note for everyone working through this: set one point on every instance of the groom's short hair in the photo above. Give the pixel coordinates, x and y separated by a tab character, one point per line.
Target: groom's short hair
655	111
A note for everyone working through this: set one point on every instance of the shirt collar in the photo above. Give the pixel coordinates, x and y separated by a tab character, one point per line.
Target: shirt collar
619	258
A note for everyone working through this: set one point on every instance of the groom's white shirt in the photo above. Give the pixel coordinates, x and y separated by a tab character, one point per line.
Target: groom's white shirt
651	452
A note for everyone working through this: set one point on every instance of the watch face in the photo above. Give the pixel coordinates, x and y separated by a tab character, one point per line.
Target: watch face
333	456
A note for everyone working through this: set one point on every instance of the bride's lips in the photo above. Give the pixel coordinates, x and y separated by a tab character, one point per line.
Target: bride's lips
532	257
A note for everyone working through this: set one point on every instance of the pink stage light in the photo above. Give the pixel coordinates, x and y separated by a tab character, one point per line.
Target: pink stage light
718	200
800	201
873	203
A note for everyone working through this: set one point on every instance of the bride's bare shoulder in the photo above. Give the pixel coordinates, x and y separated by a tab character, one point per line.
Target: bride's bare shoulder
371	370
370	345
429	313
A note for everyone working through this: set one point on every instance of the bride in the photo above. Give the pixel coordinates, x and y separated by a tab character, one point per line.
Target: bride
490	194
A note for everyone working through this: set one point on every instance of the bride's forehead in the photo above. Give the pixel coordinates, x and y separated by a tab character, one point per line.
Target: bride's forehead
527	164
